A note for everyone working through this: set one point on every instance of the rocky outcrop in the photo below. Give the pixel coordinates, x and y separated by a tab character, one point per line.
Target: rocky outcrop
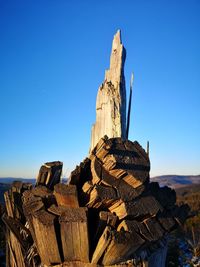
111	97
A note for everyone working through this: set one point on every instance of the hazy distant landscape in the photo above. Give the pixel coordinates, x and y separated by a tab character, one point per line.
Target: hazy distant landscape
176	181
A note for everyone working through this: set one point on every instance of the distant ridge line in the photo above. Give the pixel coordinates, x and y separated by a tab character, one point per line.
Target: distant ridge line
176	181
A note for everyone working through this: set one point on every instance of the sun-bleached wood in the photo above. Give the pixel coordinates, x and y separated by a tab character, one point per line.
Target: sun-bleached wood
111	97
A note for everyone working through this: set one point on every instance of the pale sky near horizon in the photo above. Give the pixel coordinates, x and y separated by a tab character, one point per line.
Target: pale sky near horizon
53	55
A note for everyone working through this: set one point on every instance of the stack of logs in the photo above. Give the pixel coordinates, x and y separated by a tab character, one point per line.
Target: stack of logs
107	214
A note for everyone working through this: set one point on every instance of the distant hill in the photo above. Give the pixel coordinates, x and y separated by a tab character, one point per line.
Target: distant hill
9	180
176	181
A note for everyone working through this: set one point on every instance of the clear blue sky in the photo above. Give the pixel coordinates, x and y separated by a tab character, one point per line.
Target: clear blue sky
53	55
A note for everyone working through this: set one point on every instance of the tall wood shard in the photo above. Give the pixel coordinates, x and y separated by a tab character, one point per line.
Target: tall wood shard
111	97
109	214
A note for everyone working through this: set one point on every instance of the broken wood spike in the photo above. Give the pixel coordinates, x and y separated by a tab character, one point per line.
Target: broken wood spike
102	245
49	174
66	195
106	218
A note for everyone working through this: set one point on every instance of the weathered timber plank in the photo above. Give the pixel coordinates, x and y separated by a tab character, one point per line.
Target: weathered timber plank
66	195
142	207
125	191
43	223
102	245
57	210
74	234
102	148
49	174
102	196
45	194
14	245
122	246
105	219
137	227
15	227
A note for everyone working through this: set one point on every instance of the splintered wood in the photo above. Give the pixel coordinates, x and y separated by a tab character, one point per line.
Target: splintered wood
108	214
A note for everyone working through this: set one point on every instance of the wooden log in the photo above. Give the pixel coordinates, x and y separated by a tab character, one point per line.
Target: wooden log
137	227
45	194
167	221
74	235
14	247
154	228
102	245
122	246
84	195
49	174
108	217
9	204
140	208
59	210
165	195
126	160
102	197
87	187
16	228
66	195
135	147
101	149
31	204
43	223
125	191
41	191
105	219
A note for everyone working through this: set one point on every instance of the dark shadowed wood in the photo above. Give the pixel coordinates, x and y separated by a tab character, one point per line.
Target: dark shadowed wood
166	221
102	245
16	228
121	247
137	227
145	206
81	174
154	228
105	219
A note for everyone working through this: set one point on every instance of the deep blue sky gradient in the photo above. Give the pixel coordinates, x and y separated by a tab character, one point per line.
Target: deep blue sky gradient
53	55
